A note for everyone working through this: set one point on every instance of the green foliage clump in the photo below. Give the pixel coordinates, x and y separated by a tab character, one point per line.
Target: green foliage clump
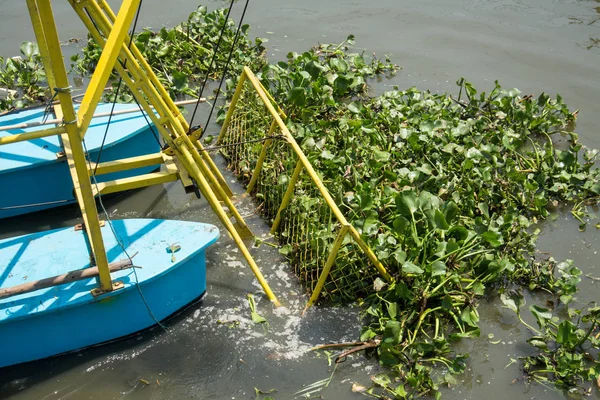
447	191
181	56
24	78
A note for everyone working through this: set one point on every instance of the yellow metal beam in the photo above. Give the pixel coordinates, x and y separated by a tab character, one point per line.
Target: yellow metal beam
261	159
106	63
135	182
77	156
287	196
36	22
232	103
21	137
188	160
126	164
328	264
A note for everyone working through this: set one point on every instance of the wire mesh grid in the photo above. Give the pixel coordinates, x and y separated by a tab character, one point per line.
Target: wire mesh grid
308	228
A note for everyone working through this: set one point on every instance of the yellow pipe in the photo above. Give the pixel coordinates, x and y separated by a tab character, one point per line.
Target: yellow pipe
122	72
150	72
205	171
136	182
36	22
51	40
290	139
155	92
327	268
124	164
234	100
21	137
261	159
216	206
370	254
106	63
315	178
214	169
287	196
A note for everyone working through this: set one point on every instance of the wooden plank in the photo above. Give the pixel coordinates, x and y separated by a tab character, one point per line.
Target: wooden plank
69	277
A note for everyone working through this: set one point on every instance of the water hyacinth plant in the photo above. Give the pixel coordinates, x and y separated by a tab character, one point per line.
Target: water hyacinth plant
23	78
446	189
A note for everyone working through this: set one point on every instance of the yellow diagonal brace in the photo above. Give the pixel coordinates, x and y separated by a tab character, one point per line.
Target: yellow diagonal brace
106	63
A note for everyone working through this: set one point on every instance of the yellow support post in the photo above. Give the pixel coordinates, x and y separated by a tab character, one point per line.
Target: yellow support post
135	182
36	22
49	38
98	17
234	100
106	63
287	196
327	268
126	164
261	159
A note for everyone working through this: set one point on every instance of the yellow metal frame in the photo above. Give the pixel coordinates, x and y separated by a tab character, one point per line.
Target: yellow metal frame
110	32
303	164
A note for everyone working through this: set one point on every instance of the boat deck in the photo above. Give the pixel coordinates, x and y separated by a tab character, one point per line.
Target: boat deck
32	153
41	255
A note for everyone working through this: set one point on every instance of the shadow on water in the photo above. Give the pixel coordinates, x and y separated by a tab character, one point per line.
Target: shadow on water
20	378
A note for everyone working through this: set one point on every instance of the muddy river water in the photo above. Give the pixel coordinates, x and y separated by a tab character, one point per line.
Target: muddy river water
213	350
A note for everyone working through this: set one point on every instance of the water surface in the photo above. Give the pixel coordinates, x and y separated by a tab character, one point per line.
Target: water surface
212	350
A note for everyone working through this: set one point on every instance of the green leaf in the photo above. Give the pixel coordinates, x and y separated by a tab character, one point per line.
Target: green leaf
179	80
29	49
438	268
410	268
564	332
451	211
297	96
355	107
541	315
440	221
495	239
513	302
381	156
257	319
406	203
401	224
470	317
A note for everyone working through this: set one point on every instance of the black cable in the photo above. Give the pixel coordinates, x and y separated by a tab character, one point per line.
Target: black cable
226	68
210	67
117	91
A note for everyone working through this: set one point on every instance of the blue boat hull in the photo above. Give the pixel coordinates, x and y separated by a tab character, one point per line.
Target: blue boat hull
67	317
32	179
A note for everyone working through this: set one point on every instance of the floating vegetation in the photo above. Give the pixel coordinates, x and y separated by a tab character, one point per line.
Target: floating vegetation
181	56
22	79
446	189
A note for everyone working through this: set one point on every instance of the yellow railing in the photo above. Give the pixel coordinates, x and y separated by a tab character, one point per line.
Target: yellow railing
327	252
